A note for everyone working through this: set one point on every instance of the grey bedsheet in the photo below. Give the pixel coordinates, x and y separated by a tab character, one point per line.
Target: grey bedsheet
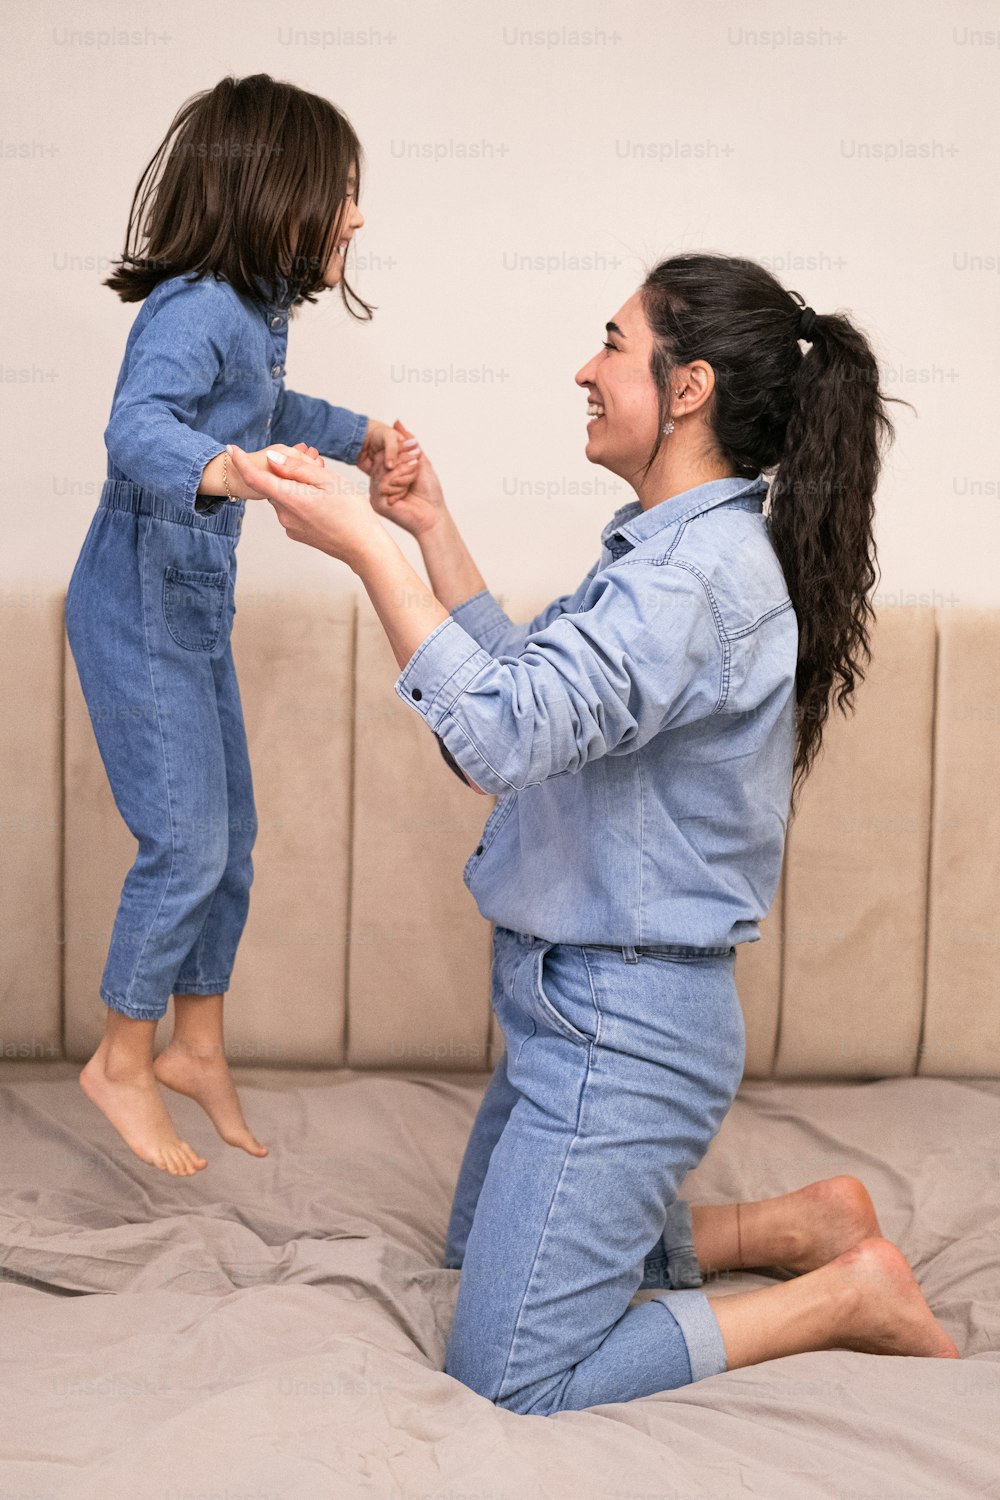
276	1328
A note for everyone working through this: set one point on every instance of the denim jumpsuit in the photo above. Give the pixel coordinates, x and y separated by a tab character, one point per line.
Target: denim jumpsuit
149	613
639	735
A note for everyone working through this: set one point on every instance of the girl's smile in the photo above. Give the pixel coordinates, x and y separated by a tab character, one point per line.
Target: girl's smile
352	219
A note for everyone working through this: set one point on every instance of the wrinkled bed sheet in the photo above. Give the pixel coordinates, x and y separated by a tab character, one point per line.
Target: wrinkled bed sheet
275	1330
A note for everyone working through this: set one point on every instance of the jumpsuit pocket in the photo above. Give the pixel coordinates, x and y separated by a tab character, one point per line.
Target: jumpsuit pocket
545	972
194	606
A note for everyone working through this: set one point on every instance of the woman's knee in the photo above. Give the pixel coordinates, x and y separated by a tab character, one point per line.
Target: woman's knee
536	1400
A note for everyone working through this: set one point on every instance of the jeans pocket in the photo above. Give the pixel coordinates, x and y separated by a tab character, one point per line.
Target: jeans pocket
547	963
194	607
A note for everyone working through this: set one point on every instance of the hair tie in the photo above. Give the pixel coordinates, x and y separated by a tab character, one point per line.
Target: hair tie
806	324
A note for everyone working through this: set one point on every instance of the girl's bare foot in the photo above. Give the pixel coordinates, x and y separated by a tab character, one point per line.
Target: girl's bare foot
195	1064
866	1299
202	1073
125	1091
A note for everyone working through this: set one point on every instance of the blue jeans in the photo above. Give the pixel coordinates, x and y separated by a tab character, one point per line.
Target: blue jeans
149	613
620	1066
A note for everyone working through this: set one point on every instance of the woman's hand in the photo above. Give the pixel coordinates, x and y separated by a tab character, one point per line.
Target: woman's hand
308	503
421	506
259	463
215	476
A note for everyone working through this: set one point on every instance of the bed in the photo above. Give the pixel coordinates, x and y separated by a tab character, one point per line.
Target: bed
276	1328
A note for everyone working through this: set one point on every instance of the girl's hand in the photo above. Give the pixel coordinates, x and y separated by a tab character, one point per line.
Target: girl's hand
308	503
419	505
386	445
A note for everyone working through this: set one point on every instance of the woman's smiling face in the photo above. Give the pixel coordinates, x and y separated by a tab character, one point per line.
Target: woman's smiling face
623	406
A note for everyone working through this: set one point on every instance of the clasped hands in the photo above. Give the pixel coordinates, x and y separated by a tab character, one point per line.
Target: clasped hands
312	507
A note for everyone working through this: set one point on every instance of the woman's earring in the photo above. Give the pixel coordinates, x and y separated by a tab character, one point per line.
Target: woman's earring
670	426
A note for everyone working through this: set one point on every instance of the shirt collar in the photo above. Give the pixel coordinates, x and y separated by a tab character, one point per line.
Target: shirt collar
639	525
276	299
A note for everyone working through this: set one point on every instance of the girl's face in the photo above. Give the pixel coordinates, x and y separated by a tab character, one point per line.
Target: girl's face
622	401
351	218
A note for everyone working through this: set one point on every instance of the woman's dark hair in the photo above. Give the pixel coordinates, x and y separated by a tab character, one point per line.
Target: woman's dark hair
241	166
817	422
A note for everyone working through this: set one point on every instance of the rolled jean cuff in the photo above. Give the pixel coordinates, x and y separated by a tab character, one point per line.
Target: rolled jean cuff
672	1262
134	1012
692	1312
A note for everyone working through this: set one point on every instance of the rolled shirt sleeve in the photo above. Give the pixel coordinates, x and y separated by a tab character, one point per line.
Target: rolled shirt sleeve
175	361
335	431
488	622
643	654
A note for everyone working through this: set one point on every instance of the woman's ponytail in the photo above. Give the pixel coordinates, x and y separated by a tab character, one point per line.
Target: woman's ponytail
812	419
821	520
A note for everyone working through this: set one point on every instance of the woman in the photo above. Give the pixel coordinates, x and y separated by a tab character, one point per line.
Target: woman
644	735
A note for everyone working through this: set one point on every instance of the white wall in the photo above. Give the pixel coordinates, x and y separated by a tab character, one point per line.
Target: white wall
780	103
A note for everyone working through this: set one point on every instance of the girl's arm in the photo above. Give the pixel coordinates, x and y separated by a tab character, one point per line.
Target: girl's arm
176	358
217	473
336	432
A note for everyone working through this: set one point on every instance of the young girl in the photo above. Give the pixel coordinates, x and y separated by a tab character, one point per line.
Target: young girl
245	211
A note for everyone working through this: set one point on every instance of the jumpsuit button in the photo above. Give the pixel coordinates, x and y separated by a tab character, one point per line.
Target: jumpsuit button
416	695
275	370
479	849
276	322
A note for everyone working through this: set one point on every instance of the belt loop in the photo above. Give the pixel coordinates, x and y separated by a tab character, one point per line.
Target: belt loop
629	954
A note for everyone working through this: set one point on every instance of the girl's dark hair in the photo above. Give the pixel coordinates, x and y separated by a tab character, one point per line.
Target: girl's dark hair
241	166
817	422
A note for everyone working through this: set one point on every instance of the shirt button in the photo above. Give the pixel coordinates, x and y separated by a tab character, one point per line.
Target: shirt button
416	694
479	849
275	370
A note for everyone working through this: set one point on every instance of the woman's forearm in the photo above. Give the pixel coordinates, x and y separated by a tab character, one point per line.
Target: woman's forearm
453	575
408	609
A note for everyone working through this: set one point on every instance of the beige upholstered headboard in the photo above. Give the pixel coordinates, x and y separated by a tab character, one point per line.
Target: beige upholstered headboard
879	958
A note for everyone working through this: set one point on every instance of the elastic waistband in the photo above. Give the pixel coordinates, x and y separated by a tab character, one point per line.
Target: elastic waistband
122	494
630	954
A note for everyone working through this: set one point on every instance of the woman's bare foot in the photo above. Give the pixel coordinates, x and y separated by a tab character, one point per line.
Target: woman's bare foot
827	1218
125	1091
891	1315
800	1231
202	1073
866	1300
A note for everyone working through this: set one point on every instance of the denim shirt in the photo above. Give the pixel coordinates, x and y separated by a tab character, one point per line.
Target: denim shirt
204	367
639	732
